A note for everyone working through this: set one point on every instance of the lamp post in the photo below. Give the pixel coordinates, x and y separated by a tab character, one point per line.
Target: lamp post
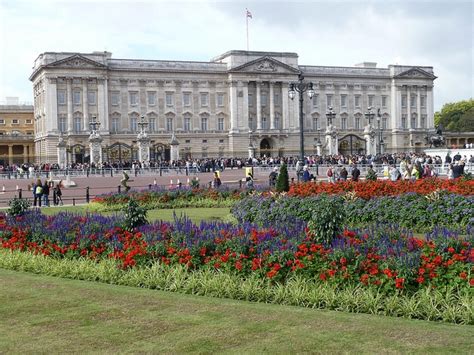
301	87
379	148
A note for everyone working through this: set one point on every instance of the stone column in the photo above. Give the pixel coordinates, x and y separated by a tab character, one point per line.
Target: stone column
85	104
259	106
51	105
332	141
233	106
102	108
245	111
62	153
69	105
429	107
105	117
369	136
284	107
418	106
25	153
272	106
10	154
409	107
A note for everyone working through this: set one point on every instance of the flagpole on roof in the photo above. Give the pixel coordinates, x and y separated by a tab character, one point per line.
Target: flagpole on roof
247	15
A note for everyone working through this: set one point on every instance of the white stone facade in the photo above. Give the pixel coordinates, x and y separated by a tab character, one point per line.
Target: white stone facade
220	107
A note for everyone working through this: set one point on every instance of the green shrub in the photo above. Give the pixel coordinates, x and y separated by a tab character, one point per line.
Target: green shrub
283	184
328	221
135	215
18	206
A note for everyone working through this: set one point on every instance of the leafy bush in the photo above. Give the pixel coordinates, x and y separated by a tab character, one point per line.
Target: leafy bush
18	206
135	215
283	184
327	221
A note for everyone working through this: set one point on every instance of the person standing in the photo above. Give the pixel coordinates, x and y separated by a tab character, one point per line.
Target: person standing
38	193
272	178
355	173
46	193
217	180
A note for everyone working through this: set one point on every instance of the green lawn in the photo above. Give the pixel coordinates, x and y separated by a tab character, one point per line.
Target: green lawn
53	315
195	214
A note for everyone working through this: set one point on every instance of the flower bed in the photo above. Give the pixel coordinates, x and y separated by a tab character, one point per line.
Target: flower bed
370	189
383	258
414	211
159	197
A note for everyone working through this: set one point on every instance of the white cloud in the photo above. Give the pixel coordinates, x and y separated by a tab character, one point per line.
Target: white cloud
322	33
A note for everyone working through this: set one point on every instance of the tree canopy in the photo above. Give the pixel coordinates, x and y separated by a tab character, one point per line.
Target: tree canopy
457	116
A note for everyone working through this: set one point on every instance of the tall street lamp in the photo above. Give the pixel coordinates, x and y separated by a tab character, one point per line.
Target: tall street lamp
379	116
301	88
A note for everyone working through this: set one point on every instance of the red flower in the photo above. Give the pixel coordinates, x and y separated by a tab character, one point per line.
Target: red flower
399	281
463	275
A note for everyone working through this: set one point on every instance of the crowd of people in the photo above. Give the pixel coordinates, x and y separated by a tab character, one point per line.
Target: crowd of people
41	191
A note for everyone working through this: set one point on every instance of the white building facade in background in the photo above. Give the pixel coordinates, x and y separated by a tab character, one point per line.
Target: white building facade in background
221	107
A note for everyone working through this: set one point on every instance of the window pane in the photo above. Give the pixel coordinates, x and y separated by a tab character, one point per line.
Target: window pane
115	98
151	98
133	98
357	101
204	97
315	100
61	97
220	100
220	124
77	97
343	100
186	99
169	99
91	97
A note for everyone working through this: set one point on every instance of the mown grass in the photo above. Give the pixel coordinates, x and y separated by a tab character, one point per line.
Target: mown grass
195	214
47	314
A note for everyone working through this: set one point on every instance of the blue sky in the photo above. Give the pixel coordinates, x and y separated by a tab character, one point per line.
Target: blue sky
341	33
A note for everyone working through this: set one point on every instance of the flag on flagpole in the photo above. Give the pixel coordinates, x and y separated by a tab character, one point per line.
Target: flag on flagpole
249	14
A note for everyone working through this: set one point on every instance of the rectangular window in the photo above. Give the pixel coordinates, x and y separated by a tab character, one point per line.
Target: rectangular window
412	101
384	101
404	100
152	124
186	99
220	100
2	121
61	97
76	97
91	97
28	121
423	101
204	99
115	124
315	123
169	99
250	100
384	123
264	123
169	124
15	121
343	100
62	124
328	100
187	124
344	122
151	98
263	100
371	100
77	125
315	100
404	121
220	124
276	98
221	141
204	124
357	101
277	122
133	124
115	98
133	98
423	121
357	122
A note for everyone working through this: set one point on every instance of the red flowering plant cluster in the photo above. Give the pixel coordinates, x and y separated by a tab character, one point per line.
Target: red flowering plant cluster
385	258
370	189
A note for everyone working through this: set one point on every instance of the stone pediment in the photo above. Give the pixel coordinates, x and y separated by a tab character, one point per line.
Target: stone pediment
76	61
265	65
415	73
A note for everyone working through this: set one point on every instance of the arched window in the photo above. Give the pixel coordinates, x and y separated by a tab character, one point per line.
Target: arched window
220	124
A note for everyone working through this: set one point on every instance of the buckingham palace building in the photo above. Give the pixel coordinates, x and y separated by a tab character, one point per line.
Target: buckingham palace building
236	103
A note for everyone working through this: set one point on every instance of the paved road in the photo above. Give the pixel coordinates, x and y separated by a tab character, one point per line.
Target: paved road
100	185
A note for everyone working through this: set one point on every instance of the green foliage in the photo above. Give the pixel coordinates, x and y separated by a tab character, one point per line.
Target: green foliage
194	183
283	183
457	116
135	215
371	175
18	206
447	305
327	221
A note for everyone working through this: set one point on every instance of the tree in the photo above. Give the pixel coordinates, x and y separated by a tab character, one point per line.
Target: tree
283	183
457	116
